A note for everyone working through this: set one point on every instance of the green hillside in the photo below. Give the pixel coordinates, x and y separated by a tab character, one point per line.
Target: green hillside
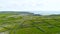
16	23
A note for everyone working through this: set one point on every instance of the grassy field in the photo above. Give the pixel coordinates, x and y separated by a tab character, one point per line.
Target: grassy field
18	24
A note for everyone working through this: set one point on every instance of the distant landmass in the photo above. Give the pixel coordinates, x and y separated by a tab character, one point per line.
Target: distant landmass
20	13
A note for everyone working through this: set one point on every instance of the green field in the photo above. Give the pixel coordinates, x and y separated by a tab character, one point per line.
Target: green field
29	24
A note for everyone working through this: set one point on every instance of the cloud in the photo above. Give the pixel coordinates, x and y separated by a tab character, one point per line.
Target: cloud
30	5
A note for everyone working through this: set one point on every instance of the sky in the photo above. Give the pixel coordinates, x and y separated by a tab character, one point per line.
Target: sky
36	6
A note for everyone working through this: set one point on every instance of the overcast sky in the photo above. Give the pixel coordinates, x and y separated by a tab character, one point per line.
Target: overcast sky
36	6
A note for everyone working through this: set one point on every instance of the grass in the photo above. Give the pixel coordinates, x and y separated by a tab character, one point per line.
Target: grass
29	30
29	24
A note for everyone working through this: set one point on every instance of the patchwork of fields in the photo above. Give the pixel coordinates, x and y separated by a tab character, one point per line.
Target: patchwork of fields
18	24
